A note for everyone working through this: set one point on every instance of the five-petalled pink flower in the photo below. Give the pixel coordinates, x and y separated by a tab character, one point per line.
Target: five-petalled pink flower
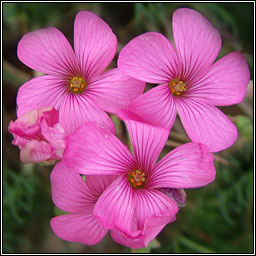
135	204
77	196
75	85
190	83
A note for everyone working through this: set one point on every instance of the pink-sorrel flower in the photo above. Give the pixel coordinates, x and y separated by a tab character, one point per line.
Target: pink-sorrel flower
39	136
135	200
190	83
72	194
75	84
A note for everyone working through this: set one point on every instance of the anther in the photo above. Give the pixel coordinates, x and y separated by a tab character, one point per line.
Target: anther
77	84
137	179
177	87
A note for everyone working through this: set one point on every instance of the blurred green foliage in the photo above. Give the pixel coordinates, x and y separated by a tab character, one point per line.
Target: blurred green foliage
18	193
217	218
26	202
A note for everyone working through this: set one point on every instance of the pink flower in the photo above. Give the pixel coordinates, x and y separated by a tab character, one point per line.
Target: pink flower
75	84
190	83
134	202
72	194
39	136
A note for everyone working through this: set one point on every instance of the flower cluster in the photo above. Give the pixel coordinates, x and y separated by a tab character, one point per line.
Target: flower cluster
62	117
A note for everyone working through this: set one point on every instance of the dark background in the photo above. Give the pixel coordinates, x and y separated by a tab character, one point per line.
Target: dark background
217	218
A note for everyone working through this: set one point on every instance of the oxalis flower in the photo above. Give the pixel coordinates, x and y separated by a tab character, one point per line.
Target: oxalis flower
190	83
76	196
39	136
136	198
76	84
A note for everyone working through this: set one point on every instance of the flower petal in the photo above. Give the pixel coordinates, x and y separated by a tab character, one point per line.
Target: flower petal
113	90
153	227
123	239
77	109
188	166
95	44
206	124
152	203
95	150
155	107
149	57
55	136
225	83
74	109
115	207
69	191
40	92
48	51
82	228
147	143
98	183
154	211
197	42
50	115
36	151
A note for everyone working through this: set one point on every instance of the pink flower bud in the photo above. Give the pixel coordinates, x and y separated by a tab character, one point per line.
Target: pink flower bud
39	136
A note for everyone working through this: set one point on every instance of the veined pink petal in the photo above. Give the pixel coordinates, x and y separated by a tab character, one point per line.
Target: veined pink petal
70	192
153	203
85	229
98	183
95	44
51	91
36	151
206	124
155	107
113	90
48	51
188	166
197	42
40	92
121	238
95	150
225	83
115	207
153	226
147	143
149	57
77	109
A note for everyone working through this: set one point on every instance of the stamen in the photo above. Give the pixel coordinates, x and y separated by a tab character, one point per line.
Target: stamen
77	85
137	179
177	87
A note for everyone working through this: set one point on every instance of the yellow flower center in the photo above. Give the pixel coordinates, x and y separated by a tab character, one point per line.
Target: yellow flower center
137	179
77	84
177	87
